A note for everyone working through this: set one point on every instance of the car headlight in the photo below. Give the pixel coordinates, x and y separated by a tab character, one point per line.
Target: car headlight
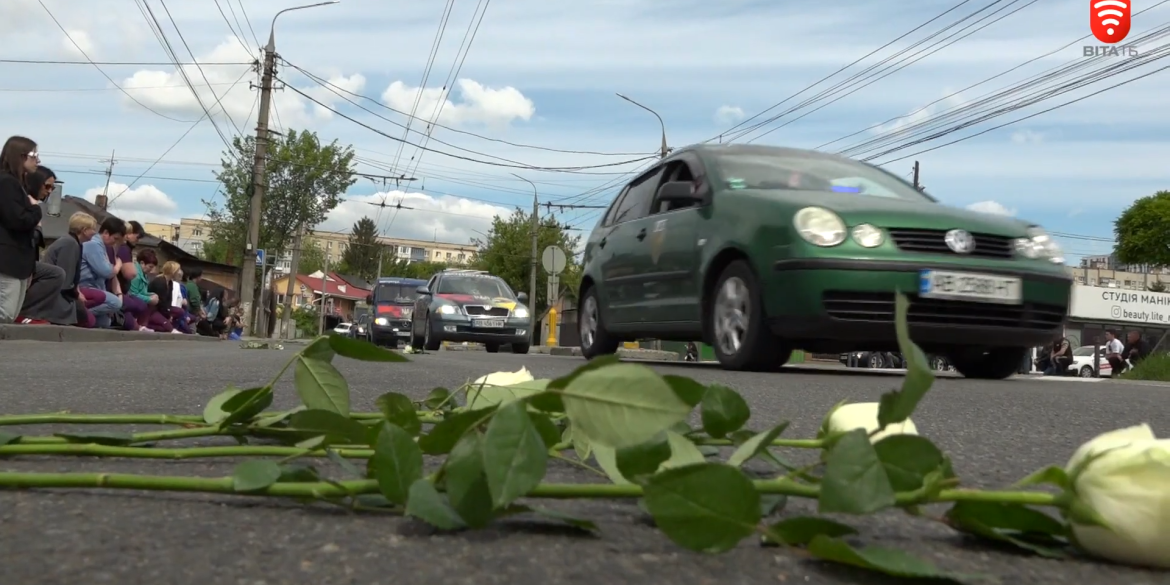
381	321
819	226
447	310
520	313
1038	244
868	236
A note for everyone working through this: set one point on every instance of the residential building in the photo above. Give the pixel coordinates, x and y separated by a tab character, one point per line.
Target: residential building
1105	271
167	232
308	290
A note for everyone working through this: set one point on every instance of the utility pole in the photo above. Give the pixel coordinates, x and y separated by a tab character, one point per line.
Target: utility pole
259	179
917	186
292	284
104	200
535	243
324	295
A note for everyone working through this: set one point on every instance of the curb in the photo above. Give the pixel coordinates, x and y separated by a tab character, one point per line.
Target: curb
66	334
636	354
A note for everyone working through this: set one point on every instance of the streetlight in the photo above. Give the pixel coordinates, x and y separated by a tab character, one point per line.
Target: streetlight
664	149
272	29
532	275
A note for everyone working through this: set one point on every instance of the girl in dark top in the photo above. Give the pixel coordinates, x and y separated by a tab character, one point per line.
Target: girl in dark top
19	216
43	302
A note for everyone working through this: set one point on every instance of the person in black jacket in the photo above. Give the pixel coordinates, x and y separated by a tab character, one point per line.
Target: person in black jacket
43	302
19	216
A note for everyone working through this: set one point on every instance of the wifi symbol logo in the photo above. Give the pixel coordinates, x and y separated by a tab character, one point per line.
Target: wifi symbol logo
1109	19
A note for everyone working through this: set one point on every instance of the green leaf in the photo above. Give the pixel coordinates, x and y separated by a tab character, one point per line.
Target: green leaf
231	402
908	459
575	522
688	390
855	482
622	405
298	472
344	463
400	411
356	349
467	485
110	439
549	402
771	504
6	438
606	459
398	462
550	435
275	418
802	530
708	507
426	504
447	432
897	406
1052	475
483	396
683	452
581	446
438	397
321	386
724	411
889	561
319	349
252	476
336	428
1011	524
514	456
638	462
756	445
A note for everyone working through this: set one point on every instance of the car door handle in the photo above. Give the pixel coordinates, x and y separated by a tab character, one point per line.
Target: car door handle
641	235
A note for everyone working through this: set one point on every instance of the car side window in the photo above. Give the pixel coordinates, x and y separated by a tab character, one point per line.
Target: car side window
613	208
678	170
640	194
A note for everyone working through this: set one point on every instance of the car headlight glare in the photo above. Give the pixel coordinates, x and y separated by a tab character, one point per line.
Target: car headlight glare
447	310
868	236
381	321
520	313
819	226
1038	244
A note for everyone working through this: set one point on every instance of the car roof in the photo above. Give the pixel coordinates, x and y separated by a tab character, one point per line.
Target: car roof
733	148
401	281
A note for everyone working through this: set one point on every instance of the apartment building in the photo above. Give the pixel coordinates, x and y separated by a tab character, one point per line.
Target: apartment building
191	233
1105	271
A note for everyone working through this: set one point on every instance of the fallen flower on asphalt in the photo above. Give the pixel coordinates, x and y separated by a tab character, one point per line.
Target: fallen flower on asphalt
504	378
864	415
1128	485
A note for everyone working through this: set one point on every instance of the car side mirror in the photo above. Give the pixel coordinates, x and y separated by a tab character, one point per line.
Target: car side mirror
422	290
523	298
678	192
370	299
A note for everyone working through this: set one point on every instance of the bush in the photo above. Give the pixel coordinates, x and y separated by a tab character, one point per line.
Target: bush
1155	368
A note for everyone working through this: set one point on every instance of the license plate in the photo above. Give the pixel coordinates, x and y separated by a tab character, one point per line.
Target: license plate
964	286
489	323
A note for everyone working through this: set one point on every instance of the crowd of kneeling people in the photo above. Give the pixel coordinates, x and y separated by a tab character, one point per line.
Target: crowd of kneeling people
93	277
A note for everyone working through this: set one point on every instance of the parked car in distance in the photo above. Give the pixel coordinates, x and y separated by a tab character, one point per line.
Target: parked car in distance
761	250
1082	365
345	329
361	328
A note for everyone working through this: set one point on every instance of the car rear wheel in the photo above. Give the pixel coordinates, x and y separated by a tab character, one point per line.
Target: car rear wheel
875	361
938	363
994	364
491	347
429	341
520	348
595	340
738	325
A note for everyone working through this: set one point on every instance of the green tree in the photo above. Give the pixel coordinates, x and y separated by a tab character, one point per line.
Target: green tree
399	268
361	254
507	253
312	258
306	180
1141	231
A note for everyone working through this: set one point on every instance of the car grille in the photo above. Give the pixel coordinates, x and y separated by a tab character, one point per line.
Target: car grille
479	310
879	308
934	242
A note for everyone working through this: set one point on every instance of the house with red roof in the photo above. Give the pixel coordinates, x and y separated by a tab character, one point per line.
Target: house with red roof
308	290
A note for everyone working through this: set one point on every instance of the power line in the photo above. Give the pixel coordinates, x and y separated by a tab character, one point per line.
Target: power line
115	63
78	89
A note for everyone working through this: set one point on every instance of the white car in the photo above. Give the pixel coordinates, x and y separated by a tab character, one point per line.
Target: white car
343	329
1082	364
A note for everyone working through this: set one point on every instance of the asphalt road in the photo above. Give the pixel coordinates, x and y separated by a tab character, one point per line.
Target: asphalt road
996	432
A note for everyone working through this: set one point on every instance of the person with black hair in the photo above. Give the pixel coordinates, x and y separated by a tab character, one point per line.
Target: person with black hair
97	271
43	302
191	276
20	214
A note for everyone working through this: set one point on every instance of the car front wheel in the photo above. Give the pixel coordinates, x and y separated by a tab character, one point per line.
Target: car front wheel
430	343
994	364
595	340
521	348
1086	372
738	325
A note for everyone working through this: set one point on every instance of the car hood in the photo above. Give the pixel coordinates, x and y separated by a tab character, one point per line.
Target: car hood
460	299
900	213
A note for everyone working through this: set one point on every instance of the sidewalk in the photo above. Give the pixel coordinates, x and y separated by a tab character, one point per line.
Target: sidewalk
66	334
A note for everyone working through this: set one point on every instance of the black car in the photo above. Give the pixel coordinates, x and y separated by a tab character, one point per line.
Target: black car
473	306
392	304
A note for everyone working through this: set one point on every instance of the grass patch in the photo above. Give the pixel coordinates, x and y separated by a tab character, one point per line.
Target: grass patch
1154	368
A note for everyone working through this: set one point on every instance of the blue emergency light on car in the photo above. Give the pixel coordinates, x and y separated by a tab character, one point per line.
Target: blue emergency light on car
844	189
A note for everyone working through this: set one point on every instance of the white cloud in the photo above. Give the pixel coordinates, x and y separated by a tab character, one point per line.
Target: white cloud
144	203
431	218
1027	137
729	114
992	207
479	104
941	106
84	44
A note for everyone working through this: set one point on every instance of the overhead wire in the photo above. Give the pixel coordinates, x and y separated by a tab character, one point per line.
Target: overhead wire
203	74
114	63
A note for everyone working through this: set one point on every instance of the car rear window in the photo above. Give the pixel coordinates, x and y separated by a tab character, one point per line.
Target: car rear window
756	170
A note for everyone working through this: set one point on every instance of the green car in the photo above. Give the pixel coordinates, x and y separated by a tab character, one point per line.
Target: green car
759	251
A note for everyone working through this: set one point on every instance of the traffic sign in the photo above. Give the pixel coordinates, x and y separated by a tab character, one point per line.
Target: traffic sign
259	257
553	259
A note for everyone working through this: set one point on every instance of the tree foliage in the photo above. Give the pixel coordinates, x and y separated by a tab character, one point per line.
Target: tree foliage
1143	231
397	268
312	258
305	182
507	253
361	254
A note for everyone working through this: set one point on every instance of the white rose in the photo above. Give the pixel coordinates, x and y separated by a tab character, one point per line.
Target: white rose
504	378
864	415
1129	488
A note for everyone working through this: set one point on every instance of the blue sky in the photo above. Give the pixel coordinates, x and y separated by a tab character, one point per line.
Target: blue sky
545	74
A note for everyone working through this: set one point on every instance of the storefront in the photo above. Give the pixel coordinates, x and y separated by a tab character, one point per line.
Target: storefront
1095	309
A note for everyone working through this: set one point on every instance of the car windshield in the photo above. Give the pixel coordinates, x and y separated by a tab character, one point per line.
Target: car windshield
395	293
742	170
479	286
1083	351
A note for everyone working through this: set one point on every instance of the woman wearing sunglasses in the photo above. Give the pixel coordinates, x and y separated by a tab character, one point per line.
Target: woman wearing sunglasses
43	299
19	215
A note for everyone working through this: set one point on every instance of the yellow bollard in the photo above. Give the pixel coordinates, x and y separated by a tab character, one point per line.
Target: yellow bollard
631	345
552	327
